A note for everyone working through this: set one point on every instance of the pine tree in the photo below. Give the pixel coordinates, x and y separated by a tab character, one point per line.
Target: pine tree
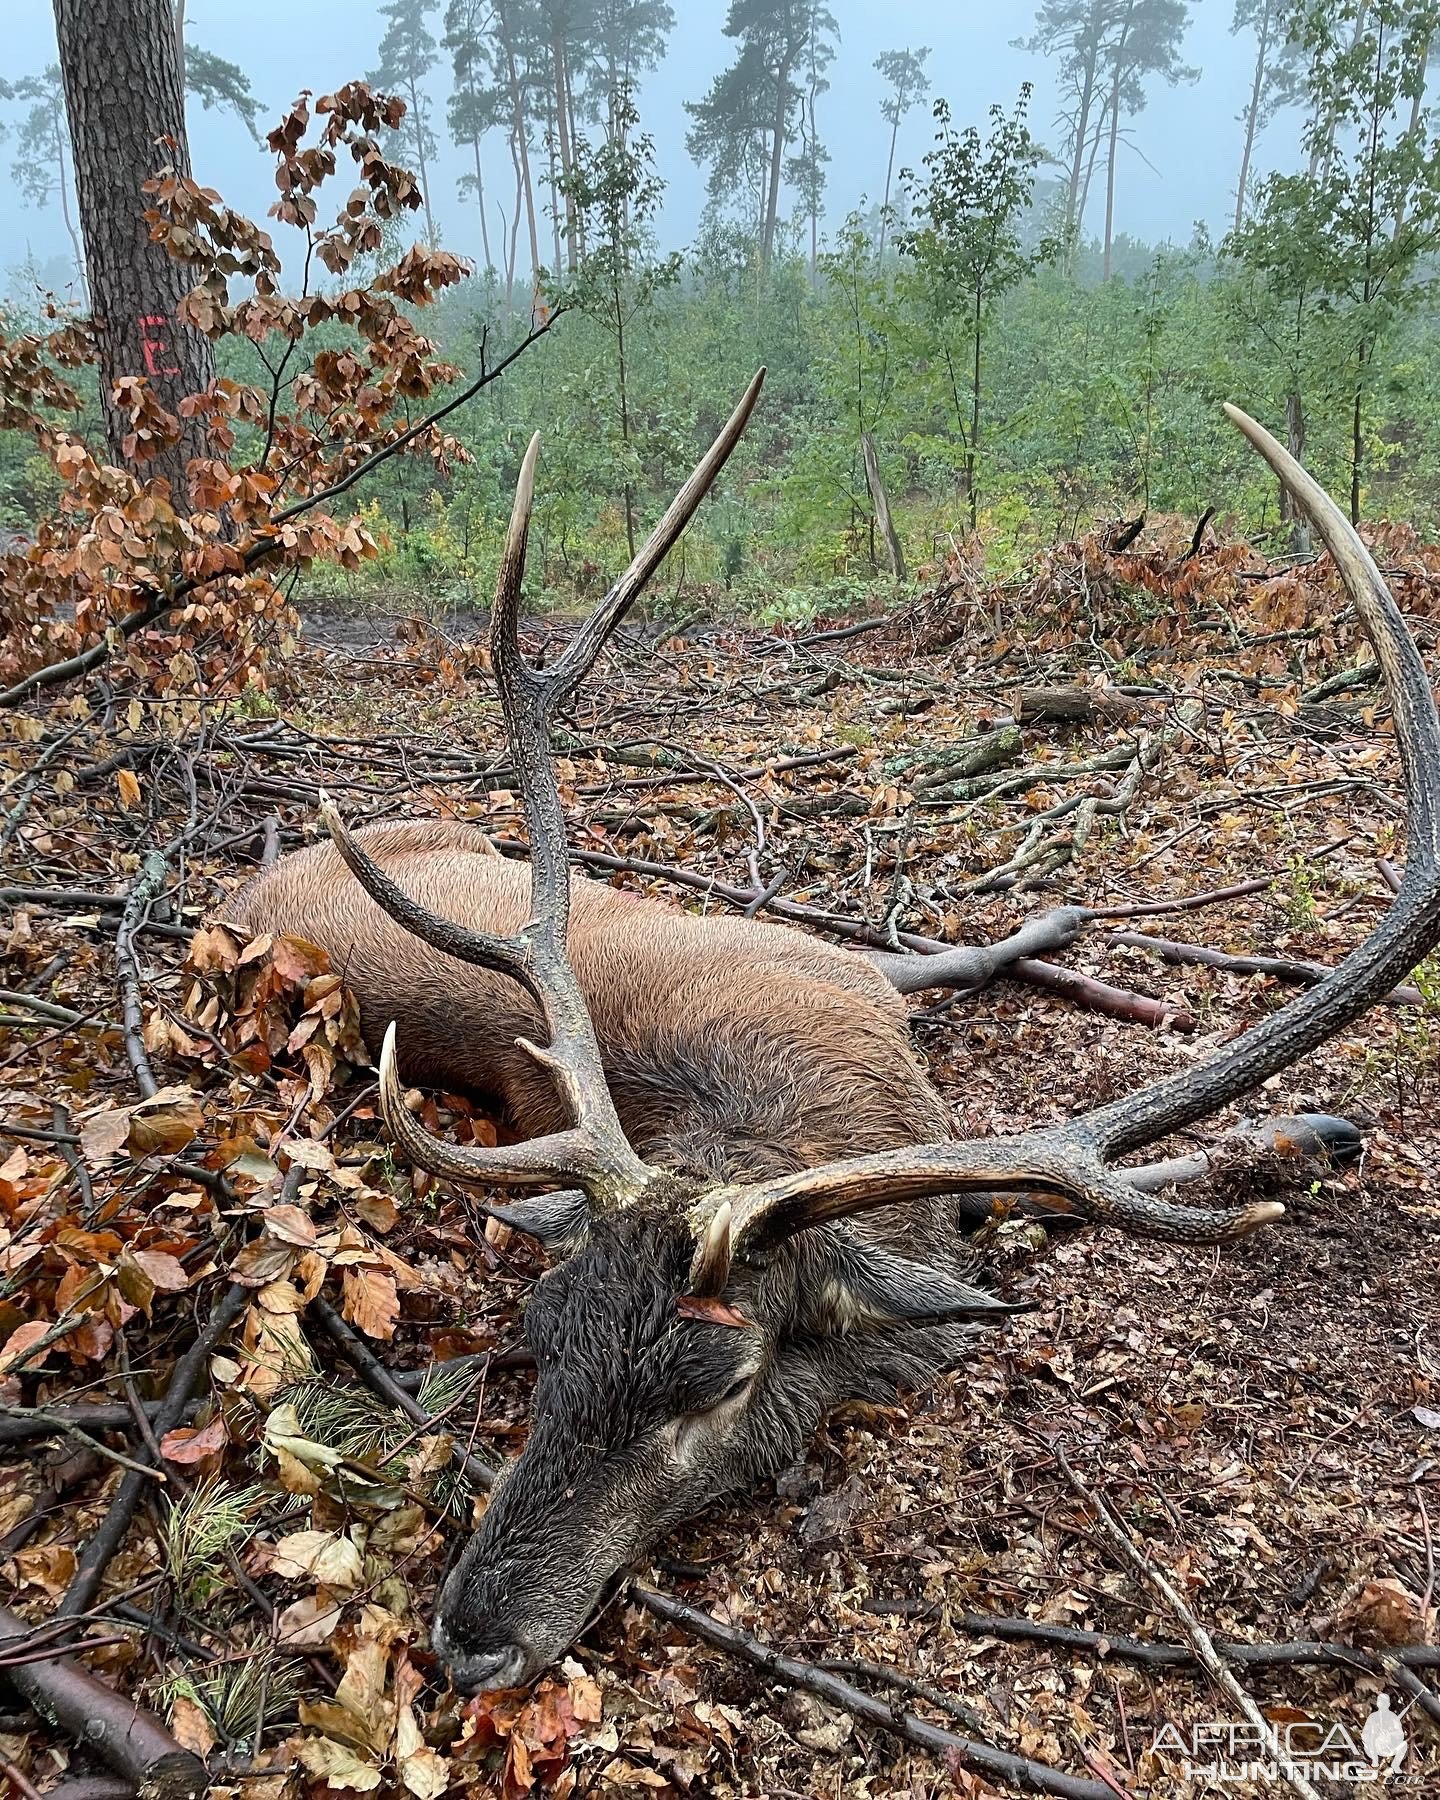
904	74
408	52
41	166
1144	39
475	105
745	123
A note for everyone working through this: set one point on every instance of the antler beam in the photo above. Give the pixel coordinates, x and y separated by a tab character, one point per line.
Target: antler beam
593	1152
1069	1161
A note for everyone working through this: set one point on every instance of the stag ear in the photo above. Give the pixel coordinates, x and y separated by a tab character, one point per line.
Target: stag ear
556	1221
862	1288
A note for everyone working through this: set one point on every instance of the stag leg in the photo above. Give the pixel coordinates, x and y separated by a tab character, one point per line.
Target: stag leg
967	968
1311	1140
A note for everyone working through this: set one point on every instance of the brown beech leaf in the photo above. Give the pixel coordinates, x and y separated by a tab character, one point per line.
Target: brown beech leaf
709	1312
368	1299
161	1126
187	1445
290	1225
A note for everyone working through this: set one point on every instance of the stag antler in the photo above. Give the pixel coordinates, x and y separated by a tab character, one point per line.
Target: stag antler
1069	1162
592	1152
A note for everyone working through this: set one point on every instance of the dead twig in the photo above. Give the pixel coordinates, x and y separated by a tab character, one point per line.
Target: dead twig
1206	1654
1020	1771
134	1743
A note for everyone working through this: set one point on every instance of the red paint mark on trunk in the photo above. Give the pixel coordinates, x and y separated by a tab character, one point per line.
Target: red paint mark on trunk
155	343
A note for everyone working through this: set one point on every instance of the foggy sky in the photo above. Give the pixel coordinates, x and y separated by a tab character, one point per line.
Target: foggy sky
1180	169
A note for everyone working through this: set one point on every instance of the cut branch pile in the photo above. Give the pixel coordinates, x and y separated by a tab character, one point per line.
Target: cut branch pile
242	1421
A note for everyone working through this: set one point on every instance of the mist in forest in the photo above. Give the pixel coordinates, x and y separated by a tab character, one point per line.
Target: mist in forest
1177	161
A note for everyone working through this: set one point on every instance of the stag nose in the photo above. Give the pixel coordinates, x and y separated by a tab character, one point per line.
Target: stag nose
478	1671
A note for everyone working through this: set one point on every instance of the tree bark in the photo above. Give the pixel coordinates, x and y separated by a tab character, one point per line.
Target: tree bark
123	94
777	153
882	505
1252	113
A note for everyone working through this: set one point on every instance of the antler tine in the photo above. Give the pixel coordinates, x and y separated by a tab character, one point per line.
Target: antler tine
1410	929
1069	1161
593	1151
588	642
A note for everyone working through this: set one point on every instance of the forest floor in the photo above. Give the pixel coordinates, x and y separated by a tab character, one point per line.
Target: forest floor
1264	1417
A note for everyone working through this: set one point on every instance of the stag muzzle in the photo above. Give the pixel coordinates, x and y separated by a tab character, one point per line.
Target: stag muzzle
538	1568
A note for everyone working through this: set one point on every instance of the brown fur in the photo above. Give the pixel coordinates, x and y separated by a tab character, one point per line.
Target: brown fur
731	1047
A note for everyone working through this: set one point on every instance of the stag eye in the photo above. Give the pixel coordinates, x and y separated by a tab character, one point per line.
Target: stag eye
737	1389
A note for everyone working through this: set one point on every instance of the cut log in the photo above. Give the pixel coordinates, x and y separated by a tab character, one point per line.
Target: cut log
882	505
1073	705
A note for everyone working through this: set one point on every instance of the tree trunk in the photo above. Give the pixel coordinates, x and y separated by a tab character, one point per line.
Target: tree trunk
562	127
520	142
1117	76
61	135
777	153
514	228
123	94
551	177
1295	443
1110	173
180	41
480	200
574	147
973	452
1252	113
1412	130
1094	157
882	505
422	168
1082	131
889	173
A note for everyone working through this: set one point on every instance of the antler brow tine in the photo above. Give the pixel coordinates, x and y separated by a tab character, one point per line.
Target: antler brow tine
592	1152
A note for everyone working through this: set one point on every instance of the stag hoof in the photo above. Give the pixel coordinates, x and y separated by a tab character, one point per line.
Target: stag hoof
1309	1134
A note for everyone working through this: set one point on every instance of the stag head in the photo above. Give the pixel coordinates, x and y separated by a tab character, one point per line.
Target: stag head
692	1331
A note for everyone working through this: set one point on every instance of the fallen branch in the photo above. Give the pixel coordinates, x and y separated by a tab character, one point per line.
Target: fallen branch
1086	990
134	1743
1019	1771
1206	1653
189	1371
1299	973
382	1383
42	1009
1303	1653
144	892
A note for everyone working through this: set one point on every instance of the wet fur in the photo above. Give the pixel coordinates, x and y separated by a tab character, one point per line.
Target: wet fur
733	1049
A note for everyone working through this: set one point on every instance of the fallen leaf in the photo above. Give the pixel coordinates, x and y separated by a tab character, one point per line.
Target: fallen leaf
339	1765
328	1557
711	1312
187	1445
368	1299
